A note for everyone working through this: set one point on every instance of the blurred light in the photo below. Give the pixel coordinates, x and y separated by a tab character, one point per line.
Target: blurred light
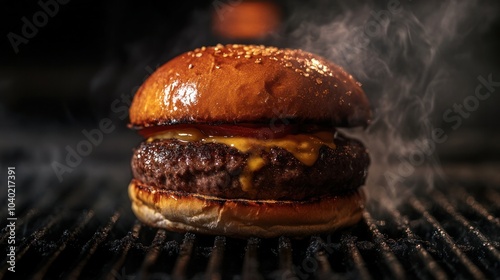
245	19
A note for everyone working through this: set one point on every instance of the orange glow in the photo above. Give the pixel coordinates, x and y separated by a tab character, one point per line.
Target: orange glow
246	19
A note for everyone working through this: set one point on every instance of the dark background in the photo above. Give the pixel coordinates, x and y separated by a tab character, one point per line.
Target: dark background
87	61
92	53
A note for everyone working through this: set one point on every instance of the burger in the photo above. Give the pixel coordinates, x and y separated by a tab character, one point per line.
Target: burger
243	140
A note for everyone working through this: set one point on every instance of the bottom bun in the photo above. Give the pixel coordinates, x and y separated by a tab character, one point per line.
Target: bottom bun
243	218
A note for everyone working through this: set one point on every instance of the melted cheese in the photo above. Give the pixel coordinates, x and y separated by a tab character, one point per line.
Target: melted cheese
304	147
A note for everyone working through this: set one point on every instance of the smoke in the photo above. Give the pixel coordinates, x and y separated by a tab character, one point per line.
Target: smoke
412	58
408	56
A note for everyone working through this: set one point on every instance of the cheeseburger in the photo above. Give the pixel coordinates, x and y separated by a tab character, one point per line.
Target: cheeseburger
241	140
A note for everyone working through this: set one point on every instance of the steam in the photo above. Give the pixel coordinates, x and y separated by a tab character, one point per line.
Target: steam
403	53
409	55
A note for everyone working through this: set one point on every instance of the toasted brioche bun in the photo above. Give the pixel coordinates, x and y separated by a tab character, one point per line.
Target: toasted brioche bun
245	84
243	218
248	83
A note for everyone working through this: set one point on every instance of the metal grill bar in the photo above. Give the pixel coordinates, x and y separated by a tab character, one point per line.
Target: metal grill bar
430	264
437	230
34	237
68	199
152	255
393	264
65	240
92	245
481	240
451	210
213	271
19	223
182	262
324	268
127	243
446	238
251	262
355	256
42	204
285	265
478	208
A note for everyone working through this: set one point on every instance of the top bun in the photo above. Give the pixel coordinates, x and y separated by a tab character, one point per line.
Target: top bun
249	83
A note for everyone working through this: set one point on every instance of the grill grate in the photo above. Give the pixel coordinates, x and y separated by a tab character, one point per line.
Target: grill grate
449	232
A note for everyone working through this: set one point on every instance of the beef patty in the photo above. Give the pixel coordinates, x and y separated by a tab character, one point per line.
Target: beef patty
214	169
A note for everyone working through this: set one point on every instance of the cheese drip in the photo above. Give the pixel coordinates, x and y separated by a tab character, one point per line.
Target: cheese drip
304	147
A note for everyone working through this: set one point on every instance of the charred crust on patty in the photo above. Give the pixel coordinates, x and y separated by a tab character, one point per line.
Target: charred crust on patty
214	169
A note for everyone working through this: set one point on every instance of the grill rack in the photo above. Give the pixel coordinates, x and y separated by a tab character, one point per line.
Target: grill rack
448	232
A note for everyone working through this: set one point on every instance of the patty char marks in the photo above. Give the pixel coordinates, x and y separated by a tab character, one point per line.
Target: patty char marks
214	169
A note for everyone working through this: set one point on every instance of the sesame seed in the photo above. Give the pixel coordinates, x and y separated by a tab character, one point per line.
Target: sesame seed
190	66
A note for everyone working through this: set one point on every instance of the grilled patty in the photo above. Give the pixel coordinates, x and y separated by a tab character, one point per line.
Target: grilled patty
214	169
